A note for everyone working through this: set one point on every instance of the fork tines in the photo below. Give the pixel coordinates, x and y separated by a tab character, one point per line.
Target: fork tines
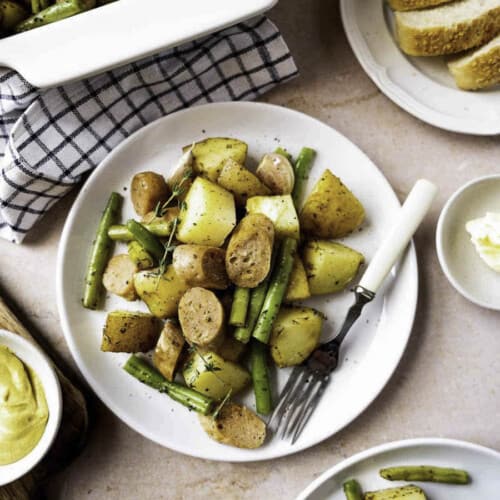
298	400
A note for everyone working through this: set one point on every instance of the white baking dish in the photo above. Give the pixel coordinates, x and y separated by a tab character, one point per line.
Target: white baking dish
117	33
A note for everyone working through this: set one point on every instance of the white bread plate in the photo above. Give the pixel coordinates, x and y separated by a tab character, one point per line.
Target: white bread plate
422	86
116	33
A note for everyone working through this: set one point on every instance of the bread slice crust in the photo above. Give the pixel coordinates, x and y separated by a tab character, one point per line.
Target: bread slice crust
415	4
478	69
448	29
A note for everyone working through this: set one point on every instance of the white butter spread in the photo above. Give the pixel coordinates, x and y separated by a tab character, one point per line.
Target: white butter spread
485	236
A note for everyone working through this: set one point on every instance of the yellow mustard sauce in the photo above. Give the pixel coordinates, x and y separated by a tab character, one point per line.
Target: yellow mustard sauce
23	408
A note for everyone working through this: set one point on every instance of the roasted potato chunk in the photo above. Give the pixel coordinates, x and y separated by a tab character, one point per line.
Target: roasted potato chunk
127	331
295	335
231	349
199	265
147	190
281	210
276	172
160	293
118	277
202	318
208	214
408	492
331	210
237	426
212	375
298	286
168	349
210	155
241	182
330	266
248	255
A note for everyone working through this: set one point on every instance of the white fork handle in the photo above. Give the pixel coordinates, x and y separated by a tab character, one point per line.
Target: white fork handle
411	215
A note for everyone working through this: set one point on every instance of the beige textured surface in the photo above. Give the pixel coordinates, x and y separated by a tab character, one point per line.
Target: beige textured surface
448	383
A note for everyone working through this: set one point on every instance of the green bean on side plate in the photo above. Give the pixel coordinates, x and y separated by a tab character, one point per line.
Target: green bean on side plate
101	250
352	490
429	473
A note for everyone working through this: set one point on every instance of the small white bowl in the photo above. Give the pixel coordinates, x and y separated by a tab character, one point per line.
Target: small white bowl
29	354
458	258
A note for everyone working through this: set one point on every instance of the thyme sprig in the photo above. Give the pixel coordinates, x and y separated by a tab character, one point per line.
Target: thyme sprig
178	189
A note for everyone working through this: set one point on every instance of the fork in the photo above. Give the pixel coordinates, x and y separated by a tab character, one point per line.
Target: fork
308	381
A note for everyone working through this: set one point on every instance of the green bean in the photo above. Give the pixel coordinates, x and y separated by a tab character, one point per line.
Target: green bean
260	378
139	256
145	373
283	152
101	250
257	296
276	291
352	490
35	6
158	228
148	240
239	306
425	473
303	165
55	12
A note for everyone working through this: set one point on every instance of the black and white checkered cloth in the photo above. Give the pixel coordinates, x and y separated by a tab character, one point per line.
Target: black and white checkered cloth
50	138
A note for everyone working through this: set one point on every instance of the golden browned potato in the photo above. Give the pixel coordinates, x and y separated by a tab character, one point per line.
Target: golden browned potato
127	331
199	265
209	155
118	277
330	266
331	210
236	425
168	349
281	210
160	293
201	316
210	374
276	172
295	335
248	254
241	182
147	190
298	286
208	214
231	349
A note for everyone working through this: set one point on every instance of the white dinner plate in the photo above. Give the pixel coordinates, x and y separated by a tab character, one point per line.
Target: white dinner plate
420	85
116	33
482	464
373	348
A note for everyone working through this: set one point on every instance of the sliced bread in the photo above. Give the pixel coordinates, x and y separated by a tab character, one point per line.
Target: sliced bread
478	69
415	4
449	28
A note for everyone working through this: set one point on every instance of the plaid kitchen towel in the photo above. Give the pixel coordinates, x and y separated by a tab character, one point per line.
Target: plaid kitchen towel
50	138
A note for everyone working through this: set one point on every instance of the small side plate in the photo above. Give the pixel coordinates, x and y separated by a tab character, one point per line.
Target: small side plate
458	258
482	464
